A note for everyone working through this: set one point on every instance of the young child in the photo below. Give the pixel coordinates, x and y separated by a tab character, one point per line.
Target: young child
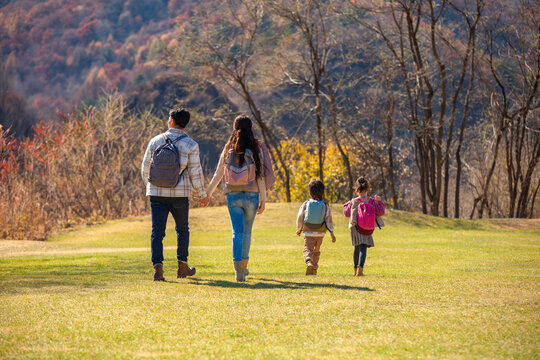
314	218
364	214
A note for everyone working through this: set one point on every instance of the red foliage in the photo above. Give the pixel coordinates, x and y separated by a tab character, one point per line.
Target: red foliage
86	31
8	154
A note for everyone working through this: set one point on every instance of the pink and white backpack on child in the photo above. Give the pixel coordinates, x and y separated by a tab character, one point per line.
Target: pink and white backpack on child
364	217
367	213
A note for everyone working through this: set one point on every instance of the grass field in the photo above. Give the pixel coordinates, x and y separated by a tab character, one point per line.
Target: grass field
434	288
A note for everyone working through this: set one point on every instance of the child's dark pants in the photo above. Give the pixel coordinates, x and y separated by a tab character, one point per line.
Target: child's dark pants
360	252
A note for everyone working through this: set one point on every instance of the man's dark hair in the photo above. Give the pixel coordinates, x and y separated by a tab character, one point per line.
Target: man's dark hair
180	117
316	189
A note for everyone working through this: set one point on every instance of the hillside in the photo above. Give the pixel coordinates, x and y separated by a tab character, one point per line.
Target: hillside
58	53
436	102
434	288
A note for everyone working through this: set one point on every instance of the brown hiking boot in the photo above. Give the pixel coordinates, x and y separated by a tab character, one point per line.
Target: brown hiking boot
360	271
244	266
309	268
239	273
184	270
158	273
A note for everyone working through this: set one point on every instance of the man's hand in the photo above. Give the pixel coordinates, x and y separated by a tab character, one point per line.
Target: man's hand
377	198
298	232
262	205
204	201
333	237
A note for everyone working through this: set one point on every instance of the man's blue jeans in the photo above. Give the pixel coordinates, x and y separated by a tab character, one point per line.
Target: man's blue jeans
242	210
179	208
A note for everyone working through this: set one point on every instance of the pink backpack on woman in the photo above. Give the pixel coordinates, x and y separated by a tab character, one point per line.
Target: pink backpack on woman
240	175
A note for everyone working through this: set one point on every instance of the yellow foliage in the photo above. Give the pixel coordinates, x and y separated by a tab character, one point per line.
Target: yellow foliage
303	162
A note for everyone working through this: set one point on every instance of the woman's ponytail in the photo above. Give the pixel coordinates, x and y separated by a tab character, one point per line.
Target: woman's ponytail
242	138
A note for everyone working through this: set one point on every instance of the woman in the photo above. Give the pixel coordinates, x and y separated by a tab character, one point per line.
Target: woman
243	163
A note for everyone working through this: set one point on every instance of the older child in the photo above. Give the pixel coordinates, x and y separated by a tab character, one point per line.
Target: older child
363	213
314	218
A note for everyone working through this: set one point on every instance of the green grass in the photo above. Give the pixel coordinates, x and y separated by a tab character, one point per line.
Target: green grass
434	288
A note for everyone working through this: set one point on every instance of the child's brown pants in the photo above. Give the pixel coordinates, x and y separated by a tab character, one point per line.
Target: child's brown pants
312	249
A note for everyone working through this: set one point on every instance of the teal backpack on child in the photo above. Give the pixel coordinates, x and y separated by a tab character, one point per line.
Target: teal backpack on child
314	214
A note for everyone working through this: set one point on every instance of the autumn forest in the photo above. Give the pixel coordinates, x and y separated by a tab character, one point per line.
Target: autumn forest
435	101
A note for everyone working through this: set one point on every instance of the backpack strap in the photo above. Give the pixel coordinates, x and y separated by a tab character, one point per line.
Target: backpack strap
326	206
168	140
377	222
178	138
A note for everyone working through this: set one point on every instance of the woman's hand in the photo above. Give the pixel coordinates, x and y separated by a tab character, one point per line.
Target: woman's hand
261	207
377	198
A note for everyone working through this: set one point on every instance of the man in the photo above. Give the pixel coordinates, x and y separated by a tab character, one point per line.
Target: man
173	199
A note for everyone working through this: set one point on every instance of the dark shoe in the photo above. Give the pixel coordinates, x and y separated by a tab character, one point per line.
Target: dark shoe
184	270
314	271
158	273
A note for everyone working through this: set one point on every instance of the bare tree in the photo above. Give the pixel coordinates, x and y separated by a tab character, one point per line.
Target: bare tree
516	103
308	17
310	69
434	65
224	46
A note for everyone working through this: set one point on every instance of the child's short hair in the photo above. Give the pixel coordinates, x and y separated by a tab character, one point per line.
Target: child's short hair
361	184
316	189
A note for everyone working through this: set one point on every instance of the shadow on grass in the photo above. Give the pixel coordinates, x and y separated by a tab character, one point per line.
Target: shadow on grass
263	283
65	278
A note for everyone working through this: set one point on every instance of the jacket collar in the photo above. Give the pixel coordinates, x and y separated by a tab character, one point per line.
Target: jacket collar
176	131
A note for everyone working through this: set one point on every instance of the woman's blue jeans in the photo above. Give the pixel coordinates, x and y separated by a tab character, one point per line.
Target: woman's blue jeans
242	210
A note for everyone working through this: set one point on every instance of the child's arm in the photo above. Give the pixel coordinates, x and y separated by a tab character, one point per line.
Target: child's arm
379	206
347	208
300	220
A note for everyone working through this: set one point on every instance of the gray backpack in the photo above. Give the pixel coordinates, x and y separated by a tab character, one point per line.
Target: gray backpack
165	164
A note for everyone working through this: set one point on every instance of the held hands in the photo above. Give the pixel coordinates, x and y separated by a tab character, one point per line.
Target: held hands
204	201
261	207
377	198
